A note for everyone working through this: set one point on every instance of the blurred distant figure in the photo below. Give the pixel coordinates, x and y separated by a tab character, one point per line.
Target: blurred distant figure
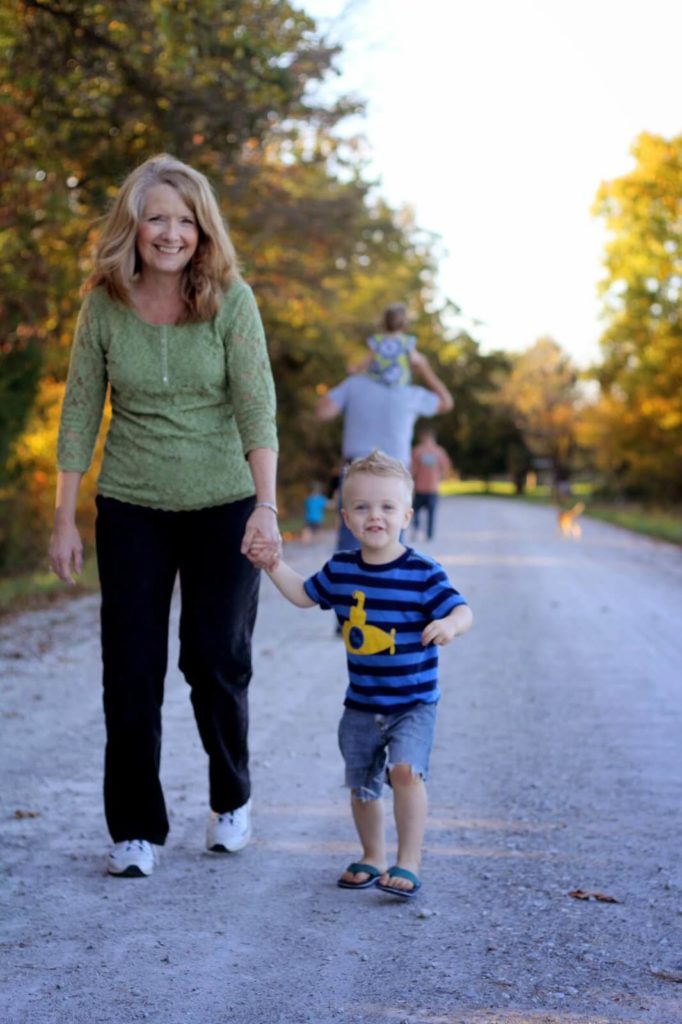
430	465
567	519
391	351
376	416
313	510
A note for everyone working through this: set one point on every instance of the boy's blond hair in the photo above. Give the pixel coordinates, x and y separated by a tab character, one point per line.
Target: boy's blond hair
377	463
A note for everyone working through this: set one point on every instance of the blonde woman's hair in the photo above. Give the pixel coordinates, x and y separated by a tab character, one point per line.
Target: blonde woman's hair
212	269
377	463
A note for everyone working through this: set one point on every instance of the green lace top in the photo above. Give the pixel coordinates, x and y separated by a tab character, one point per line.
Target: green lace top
188	402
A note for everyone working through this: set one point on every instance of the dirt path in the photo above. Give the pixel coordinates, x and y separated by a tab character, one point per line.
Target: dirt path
557	767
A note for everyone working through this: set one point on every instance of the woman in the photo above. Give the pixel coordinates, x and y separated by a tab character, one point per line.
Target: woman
187	486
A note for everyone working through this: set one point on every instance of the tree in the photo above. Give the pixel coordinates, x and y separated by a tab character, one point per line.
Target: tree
479	434
88	90
637	425
325	257
542	396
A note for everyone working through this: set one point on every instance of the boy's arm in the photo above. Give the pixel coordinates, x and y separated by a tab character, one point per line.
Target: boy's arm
290	583
442	631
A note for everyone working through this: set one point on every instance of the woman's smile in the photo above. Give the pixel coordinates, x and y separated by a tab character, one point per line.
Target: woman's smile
167	236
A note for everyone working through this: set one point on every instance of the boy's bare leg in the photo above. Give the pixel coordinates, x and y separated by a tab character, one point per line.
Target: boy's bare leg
409	805
368	816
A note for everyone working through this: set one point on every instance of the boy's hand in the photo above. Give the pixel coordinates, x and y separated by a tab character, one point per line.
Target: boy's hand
269	564
262	543
440	631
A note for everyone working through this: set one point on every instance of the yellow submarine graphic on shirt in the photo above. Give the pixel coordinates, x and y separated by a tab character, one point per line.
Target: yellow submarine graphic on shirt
360	638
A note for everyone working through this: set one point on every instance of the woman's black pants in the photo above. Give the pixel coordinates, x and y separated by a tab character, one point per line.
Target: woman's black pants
140	551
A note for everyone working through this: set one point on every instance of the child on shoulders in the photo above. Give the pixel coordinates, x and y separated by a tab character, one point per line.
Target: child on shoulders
390	358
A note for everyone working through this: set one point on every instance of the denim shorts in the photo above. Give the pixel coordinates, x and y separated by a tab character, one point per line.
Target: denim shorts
371	744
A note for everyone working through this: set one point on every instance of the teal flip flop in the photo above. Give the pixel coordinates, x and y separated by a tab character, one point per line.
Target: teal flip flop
356	869
397	872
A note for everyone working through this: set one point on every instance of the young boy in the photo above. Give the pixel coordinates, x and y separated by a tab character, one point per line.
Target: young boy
395	607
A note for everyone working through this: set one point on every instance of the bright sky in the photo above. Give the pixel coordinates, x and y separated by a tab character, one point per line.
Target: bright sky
496	120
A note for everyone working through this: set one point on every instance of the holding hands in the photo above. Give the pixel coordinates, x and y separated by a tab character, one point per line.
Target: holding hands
262	543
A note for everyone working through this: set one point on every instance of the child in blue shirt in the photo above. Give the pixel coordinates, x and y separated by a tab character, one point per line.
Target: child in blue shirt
395	607
314	508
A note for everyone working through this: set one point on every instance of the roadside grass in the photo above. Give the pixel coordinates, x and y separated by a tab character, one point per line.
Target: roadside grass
505	489
651	521
661	524
33	590
29	591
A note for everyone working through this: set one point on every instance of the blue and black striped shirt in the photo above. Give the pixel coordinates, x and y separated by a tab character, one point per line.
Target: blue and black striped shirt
383	610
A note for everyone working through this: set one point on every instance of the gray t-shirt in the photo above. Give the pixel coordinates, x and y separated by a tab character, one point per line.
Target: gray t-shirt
376	416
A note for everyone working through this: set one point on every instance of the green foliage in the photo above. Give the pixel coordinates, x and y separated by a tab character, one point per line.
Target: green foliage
325	258
90	89
660	523
19	373
102	85
28	591
480	434
637	427
542	397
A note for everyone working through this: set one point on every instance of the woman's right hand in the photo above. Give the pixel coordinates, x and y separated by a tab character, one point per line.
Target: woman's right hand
66	550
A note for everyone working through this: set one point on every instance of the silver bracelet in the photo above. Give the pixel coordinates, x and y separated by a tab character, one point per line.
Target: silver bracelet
267	504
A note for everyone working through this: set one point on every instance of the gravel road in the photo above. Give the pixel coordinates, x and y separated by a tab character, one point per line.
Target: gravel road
557	768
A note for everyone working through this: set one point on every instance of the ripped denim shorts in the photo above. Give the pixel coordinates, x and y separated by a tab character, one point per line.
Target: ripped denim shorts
371	744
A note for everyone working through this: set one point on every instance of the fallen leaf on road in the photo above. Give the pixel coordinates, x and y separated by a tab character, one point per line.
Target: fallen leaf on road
668	973
580	894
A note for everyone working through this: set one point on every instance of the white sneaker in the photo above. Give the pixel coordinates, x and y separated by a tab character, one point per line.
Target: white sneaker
227	833
133	858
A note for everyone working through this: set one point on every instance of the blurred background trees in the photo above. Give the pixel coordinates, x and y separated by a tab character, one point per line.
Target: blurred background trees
636	429
542	397
89	89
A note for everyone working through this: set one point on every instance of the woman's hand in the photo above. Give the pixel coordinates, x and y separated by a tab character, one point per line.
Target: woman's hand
262	543
66	550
